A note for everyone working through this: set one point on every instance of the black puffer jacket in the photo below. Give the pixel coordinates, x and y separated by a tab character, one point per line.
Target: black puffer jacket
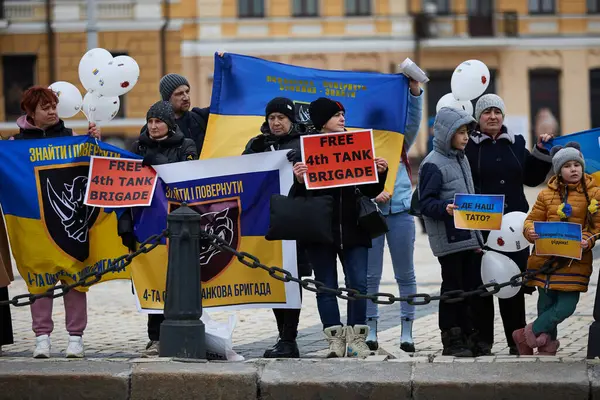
346	232
266	139
175	148
504	165
291	141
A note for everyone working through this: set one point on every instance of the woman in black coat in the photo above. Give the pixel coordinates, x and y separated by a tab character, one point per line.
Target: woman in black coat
501	164
280	132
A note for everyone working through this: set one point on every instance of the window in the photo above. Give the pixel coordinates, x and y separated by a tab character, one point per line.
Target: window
439	7
595	97
251	8
544	94
123	99
542	6
19	75
480	7
358	7
306	8
593	6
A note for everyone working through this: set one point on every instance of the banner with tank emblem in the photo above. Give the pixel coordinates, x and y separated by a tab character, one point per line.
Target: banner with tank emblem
232	195
54	236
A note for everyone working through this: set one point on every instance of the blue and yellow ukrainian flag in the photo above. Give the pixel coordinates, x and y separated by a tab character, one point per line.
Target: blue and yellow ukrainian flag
53	234
243	86
590	147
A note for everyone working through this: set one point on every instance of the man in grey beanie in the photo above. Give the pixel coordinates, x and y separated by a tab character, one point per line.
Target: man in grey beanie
175	89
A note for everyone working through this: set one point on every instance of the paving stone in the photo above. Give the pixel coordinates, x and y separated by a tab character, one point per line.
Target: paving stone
165	381
64	380
301	379
493	381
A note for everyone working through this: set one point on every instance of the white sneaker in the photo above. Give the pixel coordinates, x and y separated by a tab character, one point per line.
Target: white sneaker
42	347
356	337
336	336
75	347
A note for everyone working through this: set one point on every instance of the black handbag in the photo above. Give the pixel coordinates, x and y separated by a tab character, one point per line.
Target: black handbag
370	218
304	219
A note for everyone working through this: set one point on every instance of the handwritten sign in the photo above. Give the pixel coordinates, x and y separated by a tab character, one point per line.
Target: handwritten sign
339	159
561	239
119	182
478	212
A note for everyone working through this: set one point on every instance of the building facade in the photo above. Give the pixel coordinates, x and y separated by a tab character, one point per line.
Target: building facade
544	55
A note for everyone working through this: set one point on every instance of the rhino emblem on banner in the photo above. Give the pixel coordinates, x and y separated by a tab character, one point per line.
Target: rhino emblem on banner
67	219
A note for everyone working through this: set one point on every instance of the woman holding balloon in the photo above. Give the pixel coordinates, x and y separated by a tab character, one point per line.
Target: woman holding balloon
42	120
501	164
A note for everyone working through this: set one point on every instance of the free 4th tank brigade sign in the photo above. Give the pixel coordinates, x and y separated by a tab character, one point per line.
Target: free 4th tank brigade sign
119	182
339	159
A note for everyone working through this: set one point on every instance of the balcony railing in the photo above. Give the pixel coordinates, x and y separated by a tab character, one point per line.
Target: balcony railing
429	26
35	10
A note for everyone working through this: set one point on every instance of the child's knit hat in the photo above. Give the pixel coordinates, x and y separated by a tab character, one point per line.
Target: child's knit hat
561	155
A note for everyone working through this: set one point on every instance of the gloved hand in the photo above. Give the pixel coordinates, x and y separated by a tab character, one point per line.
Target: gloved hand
293	156
129	241
258	144
149	159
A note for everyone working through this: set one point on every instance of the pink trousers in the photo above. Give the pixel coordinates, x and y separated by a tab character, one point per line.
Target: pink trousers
75	314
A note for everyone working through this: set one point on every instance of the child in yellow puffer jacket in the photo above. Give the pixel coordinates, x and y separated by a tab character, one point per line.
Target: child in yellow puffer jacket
571	196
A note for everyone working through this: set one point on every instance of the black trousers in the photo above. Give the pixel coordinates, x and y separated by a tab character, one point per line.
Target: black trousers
287	321
6	330
461	271
512	310
154	321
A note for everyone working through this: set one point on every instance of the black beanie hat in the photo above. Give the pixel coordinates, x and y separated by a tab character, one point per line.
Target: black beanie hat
322	109
164	111
281	105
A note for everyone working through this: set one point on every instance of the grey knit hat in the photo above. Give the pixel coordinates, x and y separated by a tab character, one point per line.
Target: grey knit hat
163	110
561	155
169	83
488	101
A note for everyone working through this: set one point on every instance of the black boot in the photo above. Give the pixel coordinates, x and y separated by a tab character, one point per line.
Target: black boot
478	346
284	349
455	344
268	352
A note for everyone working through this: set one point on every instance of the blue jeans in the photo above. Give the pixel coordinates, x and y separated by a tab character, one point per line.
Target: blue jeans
401	242
324	262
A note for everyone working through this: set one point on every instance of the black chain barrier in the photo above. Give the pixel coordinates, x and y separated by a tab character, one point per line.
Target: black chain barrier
91	277
345	293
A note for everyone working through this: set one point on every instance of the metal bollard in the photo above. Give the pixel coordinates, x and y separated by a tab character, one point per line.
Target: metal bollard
593	349
182	332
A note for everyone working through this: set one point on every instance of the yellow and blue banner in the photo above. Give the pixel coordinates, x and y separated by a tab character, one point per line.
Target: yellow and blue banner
590	148
478	212
561	239
243	85
53	234
233	196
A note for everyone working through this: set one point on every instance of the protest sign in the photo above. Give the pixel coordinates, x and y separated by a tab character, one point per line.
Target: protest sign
118	183
339	159
232	196
561	239
478	212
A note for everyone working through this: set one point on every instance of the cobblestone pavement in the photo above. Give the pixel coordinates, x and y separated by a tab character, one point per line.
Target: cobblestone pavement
117	331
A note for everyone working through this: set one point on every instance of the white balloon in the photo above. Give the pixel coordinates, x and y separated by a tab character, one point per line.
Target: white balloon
448	100
469	80
100	109
498	268
91	66
510	236
120	77
69	99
